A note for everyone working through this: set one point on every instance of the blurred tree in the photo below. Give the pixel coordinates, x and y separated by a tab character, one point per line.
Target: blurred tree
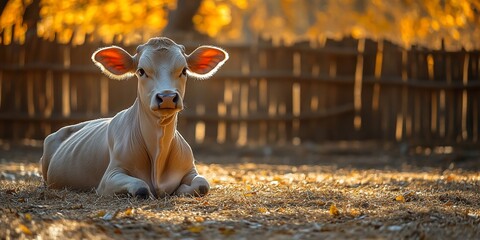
30	18
181	18
427	22
3	4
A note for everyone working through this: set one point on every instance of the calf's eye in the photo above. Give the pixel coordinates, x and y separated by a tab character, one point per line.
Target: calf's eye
184	71
141	72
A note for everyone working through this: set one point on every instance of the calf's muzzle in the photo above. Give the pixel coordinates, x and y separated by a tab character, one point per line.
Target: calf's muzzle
168	100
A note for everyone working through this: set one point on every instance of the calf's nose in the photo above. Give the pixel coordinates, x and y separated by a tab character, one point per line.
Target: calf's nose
167	100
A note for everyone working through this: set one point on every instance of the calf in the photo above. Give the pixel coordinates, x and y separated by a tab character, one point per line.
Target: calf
138	151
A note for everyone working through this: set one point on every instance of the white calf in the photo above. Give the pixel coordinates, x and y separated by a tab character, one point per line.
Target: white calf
138	151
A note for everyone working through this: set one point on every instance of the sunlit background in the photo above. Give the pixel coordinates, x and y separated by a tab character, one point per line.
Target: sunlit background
405	22
331	119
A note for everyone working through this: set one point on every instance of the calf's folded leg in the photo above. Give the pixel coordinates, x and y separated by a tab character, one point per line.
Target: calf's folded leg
193	185
116	181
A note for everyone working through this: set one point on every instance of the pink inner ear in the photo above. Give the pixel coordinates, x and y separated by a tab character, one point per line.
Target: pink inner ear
113	60
206	60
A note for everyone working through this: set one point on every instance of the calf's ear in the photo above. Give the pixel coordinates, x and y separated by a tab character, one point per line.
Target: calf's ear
114	62
205	61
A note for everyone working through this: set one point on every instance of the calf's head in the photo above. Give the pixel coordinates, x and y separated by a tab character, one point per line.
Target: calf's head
162	67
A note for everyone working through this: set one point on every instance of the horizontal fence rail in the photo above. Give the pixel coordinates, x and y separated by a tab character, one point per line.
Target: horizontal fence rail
344	90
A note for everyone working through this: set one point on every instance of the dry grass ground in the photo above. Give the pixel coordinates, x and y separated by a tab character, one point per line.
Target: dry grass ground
342	196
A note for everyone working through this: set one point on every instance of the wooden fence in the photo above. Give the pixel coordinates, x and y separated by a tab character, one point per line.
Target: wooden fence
343	90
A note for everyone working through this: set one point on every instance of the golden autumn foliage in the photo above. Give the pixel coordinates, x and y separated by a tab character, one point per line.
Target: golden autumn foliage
11	22
406	22
128	20
103	19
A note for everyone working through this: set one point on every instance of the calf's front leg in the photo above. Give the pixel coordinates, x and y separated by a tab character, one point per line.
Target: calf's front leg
116	181
193	184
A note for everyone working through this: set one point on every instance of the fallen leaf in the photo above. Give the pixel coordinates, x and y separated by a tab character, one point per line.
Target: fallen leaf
450	178
101	213
199	219
226	231
195	229
262	210
24	229
128	212
249	194
354	213
400	198
277	178
28	216
281	210
333	210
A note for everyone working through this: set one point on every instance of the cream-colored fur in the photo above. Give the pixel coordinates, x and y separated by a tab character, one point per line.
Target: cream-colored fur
138	151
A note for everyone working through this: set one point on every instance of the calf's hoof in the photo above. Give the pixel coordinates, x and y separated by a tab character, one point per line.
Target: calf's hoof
202	190
142	193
